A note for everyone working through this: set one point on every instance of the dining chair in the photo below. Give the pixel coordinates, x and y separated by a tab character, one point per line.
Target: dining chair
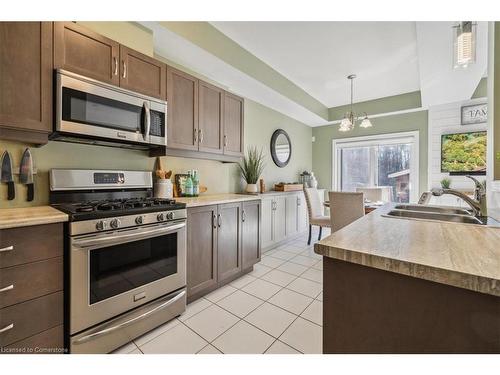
345	207
315	212
377	193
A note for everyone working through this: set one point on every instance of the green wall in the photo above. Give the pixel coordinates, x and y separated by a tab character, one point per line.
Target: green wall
378	106
260	122
322	147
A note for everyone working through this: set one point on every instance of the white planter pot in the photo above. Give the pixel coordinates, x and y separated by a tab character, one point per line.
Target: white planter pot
252	188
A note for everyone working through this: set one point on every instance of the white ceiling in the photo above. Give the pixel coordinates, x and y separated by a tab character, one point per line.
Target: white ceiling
318	56
389	58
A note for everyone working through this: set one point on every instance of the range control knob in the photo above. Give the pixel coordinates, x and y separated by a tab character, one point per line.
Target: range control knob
170	216
101	225
115	223
160	217
138	220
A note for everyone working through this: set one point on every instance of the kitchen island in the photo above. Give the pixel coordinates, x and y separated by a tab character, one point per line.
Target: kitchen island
395	285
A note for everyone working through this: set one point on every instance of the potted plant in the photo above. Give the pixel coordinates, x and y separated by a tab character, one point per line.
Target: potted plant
251	168
445	183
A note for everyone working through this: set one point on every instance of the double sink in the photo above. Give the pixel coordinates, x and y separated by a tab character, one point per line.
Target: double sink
439	213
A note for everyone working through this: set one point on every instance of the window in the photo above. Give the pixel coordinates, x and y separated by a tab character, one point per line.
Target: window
389	160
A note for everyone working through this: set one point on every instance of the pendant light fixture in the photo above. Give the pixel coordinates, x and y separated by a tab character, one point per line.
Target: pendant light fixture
350	118
464	44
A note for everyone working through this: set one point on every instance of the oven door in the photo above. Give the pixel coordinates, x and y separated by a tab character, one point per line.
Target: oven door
114	272
96	110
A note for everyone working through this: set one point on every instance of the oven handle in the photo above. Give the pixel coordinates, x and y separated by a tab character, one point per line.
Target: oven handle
123	237
130	321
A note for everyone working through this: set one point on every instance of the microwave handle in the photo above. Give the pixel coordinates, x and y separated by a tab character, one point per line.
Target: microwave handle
147	119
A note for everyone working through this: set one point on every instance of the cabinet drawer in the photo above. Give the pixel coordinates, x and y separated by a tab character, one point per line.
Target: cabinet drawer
30	281
30	244
50	341
31	317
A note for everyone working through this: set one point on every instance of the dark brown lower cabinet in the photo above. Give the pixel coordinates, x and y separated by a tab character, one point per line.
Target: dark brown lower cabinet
31	289
228	241
250	234
223	243
201	250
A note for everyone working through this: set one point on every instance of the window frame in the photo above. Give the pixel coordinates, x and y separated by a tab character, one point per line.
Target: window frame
373	140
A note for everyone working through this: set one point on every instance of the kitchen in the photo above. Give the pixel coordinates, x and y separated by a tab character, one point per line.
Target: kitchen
232	253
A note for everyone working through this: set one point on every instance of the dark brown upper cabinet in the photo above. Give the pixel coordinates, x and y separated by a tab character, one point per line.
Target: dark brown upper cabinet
210	118
182	114
26	81
85	52
233	125
142	73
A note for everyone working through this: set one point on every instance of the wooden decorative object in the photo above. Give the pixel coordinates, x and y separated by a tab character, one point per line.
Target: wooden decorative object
288	187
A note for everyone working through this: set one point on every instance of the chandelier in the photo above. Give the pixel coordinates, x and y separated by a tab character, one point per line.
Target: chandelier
350	117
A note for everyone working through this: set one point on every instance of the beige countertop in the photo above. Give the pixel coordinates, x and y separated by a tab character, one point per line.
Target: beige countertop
27	216
207	200
462	255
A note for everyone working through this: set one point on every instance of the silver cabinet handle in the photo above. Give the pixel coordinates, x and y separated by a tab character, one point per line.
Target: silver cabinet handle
195	136
219	220
243	215
115	63
7	328
8	248
201	135
225	140
131	321
214	221
10	287
124	74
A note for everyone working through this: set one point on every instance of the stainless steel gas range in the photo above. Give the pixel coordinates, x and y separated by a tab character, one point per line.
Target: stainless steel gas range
125	256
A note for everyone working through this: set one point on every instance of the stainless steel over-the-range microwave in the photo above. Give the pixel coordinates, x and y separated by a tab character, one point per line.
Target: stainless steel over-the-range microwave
89	111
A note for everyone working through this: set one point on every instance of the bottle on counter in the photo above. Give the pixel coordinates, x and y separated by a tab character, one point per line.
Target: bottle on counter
188	185
196	183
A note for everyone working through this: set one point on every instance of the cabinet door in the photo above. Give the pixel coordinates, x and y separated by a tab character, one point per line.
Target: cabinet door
279	227
291	205
267	215
142	73
201	249
26	77
210	112
228	240
85	52
182	117
302	216
250	233
233	125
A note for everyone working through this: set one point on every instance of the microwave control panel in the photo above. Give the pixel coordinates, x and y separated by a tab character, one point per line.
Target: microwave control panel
157	124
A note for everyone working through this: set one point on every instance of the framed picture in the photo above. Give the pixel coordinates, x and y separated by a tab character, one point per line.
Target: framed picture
180	179
474	114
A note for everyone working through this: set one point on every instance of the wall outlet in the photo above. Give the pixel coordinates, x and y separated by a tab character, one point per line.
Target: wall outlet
314	140
498	155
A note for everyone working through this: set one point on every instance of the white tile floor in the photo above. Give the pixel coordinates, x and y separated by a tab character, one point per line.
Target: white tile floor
275	309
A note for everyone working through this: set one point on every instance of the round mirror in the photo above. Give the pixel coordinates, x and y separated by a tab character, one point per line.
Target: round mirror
281	148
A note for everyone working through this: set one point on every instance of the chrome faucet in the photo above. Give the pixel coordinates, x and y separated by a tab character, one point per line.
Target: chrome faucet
478	204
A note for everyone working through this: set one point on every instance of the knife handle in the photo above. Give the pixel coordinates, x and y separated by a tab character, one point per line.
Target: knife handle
31	192
11	193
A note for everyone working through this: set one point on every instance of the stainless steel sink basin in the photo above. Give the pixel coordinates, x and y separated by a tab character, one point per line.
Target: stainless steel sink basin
436	209
466	219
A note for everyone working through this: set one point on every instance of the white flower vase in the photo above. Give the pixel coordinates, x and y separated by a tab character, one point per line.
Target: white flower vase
252	188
